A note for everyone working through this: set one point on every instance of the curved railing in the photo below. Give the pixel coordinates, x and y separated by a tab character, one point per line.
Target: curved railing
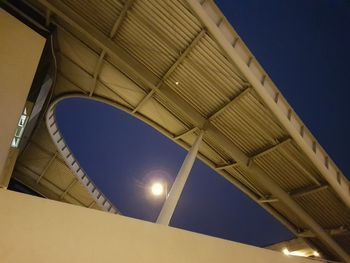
70	160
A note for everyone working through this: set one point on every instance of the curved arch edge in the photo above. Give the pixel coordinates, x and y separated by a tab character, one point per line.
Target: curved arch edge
57	138
73	95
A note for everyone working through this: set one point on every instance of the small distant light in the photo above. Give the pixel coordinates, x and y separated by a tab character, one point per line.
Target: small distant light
316	254
177	83
157	189
286	251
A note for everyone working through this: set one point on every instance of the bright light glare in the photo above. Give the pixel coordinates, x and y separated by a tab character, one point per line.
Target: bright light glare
316	254
286	251
297	253
157	189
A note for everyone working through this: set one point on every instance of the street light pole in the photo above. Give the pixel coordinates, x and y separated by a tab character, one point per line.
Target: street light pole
175	192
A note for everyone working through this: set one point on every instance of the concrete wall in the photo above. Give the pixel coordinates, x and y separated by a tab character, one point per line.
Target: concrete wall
20	51
6	173
38	230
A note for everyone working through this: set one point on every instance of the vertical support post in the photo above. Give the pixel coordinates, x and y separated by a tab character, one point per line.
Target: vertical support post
6	174
174	195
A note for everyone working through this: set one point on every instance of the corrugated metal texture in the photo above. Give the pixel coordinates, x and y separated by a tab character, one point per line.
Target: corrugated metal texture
205	149
156	112
289	215
248	180
102	14
77	67
324	206
205	79
64	85
77	75
110	83
158	48
225	158
66	28
119	83
104	91
76	51
282	168
174	111
297	158
245	122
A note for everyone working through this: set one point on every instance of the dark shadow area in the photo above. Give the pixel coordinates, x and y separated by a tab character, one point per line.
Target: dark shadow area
17	186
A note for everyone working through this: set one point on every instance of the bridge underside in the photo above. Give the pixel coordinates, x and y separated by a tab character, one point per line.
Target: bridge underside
163	63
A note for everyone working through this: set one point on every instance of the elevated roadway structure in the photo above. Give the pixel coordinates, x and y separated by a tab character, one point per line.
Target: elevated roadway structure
180	67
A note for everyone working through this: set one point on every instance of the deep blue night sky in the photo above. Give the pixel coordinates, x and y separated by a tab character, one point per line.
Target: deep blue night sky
303	45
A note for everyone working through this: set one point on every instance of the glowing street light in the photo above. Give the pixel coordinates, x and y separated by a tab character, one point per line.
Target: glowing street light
159	188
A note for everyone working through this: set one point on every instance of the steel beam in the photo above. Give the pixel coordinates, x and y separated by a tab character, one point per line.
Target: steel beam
226	166
42	149
298	193
91	204
338	231
90	76
272	148
47	166
120	19
308	190
177	137
292	160
112	34
171	69
73	182
233	56
262	178
97	72
229	104
207	13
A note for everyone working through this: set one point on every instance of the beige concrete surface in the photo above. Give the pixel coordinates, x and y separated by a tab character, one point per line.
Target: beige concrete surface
6	173
20	51
40	230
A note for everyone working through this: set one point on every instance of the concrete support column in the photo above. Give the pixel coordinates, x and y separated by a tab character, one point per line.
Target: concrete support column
174	195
